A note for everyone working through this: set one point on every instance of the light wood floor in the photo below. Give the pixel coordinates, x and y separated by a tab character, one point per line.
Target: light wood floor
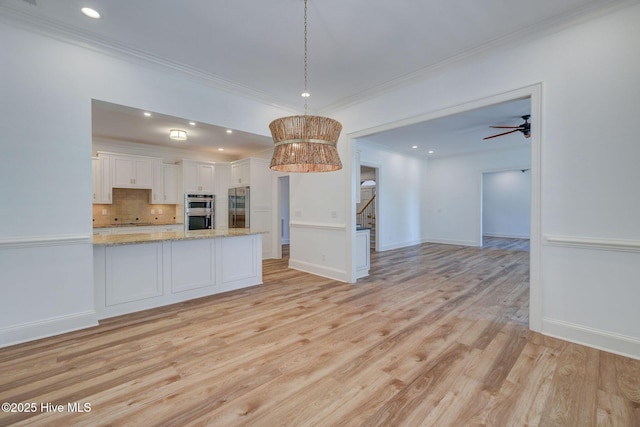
436	336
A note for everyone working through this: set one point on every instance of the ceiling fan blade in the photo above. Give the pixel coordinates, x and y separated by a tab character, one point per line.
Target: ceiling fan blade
500	134
507	127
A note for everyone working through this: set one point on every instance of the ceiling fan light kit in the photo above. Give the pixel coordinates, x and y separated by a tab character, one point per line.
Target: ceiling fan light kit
525	128
305	143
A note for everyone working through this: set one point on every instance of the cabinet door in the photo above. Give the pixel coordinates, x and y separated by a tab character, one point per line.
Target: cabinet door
94	179
131	172
171	195
104	180
122	172
142	173
240	174
206	179
190	177
157	192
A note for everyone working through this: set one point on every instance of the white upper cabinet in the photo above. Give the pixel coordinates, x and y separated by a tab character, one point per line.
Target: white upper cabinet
240	173
198	177
157	192
165	184
131	171
171	195
94	179
101	183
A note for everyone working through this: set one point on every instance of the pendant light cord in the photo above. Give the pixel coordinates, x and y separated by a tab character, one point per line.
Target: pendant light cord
306	92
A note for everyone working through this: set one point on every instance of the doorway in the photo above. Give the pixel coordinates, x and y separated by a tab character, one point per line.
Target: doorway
533	95
367	206
284	216
506	204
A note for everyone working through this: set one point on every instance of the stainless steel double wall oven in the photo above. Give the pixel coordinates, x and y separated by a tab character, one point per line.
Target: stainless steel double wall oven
199	211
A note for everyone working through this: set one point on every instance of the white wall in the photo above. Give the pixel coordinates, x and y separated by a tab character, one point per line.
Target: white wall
400	194
453	197
506	203
45	121
438	200
590	76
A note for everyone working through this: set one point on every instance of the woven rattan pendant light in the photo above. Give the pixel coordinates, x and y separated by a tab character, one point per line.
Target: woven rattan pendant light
305	143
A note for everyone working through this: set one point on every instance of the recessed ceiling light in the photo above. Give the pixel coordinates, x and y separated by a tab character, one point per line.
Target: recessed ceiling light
229	131
192	123
91	13
414	146
430	151
305	94
148	114
220	149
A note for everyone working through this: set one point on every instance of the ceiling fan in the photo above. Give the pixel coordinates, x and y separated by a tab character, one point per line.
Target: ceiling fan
525	128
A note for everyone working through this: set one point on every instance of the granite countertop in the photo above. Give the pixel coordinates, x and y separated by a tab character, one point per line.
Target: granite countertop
129	239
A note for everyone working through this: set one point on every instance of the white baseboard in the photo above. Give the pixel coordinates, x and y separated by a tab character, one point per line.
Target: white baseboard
451	242
319	270
590	337
46	328
507	236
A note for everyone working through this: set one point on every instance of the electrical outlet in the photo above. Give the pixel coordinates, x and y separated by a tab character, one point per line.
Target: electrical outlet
324	257
160	211
298	214
334	214
153	211
104	212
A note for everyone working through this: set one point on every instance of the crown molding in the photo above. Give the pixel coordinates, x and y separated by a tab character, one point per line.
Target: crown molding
554	25
24	19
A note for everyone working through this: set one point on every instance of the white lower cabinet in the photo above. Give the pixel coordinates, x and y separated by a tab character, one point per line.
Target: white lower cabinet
135	277
192	264
133	273
363	253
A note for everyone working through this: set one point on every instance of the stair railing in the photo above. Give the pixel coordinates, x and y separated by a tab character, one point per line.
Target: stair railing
365	217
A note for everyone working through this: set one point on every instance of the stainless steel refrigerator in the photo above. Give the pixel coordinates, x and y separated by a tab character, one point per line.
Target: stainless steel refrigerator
239	207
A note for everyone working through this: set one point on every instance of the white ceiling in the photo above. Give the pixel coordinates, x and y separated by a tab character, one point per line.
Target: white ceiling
357	48
458	133
121	123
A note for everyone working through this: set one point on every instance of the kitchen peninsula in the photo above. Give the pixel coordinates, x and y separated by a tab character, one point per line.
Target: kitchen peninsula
134	272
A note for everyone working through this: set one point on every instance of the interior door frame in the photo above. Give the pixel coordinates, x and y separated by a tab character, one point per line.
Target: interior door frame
534	93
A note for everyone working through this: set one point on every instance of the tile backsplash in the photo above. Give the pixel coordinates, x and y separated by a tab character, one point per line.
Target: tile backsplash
132	206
